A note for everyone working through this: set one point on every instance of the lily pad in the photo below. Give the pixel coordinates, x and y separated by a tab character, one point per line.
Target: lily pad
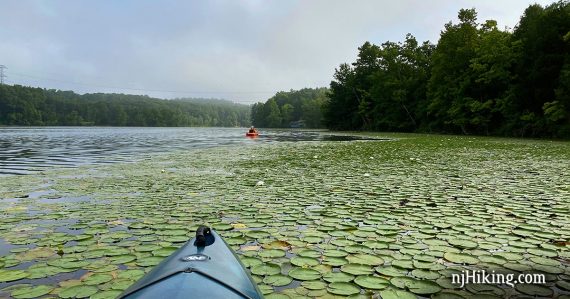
266	269
304	261
31	291
396	294
272	253
277	280
12	275
337	277
460	258
365	259
343	288
314	285
357	269
304	274
372	282
78	291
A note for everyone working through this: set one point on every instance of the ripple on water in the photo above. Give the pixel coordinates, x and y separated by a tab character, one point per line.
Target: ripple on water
28	150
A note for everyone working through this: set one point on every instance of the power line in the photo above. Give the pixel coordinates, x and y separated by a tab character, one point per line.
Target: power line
2	75
142	89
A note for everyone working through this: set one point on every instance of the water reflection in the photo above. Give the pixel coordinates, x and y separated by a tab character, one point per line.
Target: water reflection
25	150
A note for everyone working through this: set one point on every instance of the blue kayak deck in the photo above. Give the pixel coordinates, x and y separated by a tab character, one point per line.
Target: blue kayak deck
213	271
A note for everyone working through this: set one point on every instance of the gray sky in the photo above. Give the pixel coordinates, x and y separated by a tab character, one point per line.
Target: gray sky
243	51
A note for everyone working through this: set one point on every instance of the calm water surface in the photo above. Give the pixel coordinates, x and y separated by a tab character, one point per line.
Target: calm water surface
26	150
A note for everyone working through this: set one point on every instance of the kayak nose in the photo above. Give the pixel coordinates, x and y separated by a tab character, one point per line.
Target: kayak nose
208	270
203	236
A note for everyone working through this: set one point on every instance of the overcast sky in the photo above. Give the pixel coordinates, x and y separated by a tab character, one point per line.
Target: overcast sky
241	50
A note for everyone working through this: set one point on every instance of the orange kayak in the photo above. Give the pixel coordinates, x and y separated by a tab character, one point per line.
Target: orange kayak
248	134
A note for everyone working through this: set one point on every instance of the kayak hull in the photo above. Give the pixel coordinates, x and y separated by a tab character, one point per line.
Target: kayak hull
251	134
212	271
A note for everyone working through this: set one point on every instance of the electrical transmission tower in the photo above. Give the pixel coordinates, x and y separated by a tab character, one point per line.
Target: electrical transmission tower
2	75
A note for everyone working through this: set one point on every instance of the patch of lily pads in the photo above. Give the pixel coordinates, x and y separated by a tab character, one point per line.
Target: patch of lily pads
387	219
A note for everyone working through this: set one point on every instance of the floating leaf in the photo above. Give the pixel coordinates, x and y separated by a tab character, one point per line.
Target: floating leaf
372	282
77	291
460	258
12	275
31	291
304	274
365	259
314	285
343	288
304	261
337	277
266	269
277	280
356	269
272	253
396	294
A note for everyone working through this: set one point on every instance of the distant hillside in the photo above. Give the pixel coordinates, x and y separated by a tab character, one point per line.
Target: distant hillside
30	106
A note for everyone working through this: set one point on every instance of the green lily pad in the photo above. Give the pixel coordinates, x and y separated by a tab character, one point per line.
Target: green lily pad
372	282
396	294
309	253
276	296
422	287
460	258
36	253
277	280
110	294
147	248
425	274
149	261
123	259
78	291
365	259
545	261
31	291
534	290
134	274
44	270
164	251
272	253
250	261
266	269
97	279
304	261
12	275
343	288
460	243
391	271
337	277
314	285
304	274
335	253
357	269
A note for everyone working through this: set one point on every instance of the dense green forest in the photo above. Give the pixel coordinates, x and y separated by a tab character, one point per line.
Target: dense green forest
27	106
478	79
303	107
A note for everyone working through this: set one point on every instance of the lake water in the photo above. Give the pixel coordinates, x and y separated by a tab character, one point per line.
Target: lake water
26	150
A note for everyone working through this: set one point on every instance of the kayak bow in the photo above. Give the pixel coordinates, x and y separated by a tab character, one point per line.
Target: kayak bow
205	267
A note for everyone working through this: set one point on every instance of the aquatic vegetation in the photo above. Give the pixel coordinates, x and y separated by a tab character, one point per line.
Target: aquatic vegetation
394	218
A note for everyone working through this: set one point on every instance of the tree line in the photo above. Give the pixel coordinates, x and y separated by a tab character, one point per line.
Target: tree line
290	108
478	79
28	106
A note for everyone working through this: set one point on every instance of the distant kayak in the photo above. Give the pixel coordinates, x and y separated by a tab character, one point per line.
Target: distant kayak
205	267
248	134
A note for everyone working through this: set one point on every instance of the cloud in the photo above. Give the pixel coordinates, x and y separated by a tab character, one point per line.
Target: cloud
240	50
